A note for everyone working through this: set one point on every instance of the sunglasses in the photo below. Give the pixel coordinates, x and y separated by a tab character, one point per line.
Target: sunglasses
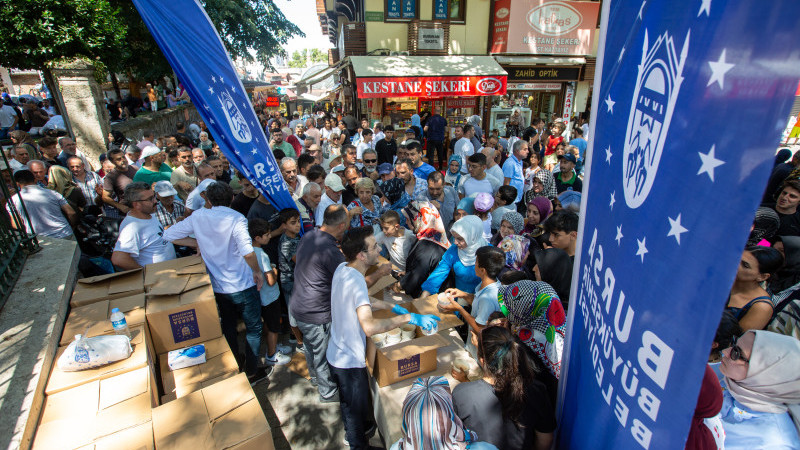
736	352
370	161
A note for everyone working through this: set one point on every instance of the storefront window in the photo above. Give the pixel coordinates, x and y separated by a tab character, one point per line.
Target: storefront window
452	10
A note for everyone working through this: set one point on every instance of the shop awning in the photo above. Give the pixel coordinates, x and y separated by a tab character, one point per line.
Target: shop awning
317	77
427	76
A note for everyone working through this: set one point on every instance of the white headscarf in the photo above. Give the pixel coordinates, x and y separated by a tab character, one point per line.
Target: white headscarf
471	229
773	375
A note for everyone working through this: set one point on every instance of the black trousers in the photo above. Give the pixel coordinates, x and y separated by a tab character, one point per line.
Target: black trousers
354	402
436	148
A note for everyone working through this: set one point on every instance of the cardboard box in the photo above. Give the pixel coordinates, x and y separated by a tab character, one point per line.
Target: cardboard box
380	285
180	266
107	287
184	319
86	414
412	358
139	437
220	364
60	380
225	415
94	317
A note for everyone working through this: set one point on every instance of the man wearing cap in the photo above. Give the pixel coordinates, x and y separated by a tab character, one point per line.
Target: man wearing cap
386	147
206	174
332	196
411	135
153	169
512	169
567	179
307	204
140	240
316	152
168	209
386	172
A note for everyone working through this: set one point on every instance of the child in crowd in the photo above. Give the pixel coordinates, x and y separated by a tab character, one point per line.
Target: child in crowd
290	239
503	203
483	205
489	261
396	239
550	158
563	229
270	308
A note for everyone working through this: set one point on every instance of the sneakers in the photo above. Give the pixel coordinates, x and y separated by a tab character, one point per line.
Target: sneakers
259	376
332	399
285	349
300	349
278	359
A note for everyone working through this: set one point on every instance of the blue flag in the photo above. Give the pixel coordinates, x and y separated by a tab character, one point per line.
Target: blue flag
686	117
194	50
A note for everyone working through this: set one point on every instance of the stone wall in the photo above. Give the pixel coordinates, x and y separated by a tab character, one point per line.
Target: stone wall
161	122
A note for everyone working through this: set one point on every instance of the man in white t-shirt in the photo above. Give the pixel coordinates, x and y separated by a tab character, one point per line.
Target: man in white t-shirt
48	211
464	147
351	323
366	143
140	240
478	180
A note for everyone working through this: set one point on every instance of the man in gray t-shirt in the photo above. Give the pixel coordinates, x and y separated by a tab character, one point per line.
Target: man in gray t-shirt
48	211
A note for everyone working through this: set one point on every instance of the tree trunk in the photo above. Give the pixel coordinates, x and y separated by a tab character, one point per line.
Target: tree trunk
115	82
58	98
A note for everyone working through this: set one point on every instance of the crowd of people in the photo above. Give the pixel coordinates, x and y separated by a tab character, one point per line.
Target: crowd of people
490	221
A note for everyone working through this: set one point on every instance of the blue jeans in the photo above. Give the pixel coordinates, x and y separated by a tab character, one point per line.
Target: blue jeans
247	305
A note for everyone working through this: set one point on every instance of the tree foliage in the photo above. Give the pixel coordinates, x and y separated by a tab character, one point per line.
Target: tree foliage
300	58
37	32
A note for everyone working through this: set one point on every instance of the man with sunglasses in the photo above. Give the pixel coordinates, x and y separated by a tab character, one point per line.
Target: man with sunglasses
140	240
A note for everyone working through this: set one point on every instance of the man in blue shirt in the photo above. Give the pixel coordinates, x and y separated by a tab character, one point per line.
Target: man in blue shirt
414	153
579	141
434	129
512	169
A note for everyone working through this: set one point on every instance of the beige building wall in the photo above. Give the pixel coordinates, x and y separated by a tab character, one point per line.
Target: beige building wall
469	39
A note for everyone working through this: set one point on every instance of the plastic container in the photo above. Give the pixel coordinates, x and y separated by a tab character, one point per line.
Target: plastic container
433	330
119	323
444	299
408	332
393	337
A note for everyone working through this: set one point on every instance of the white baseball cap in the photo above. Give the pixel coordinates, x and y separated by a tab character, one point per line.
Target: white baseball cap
334	182
164	189
150	150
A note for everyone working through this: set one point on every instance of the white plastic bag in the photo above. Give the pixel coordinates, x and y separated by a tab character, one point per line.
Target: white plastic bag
89	353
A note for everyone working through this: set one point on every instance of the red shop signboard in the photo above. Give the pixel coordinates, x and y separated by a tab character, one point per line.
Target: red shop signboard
431	86
272	102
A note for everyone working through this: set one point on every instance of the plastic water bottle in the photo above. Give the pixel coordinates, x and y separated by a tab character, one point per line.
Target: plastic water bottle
119	323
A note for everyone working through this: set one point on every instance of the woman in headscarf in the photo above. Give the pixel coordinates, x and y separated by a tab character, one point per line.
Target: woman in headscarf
748	301
59	179
706	431
511	242
542	184
554	267
465	207
508	407
429	420
514	123
475	121
459	258
765	225
426	253
539	209
416	124
394	190
762	375
453	174
19	137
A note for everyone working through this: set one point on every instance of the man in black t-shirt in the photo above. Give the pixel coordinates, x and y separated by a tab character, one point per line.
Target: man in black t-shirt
386	147
788	201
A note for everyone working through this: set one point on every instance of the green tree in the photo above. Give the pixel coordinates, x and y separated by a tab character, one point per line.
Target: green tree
318	55
299	58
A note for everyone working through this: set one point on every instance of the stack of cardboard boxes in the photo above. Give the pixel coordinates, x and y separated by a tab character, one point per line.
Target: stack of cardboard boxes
168	306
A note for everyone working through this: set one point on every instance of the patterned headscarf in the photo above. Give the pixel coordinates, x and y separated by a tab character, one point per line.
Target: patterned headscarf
427	223
549	191
516	248
429	419
515	219
537	317
393	189
765	225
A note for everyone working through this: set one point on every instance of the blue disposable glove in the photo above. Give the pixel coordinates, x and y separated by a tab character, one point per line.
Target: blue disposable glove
399	310
426	322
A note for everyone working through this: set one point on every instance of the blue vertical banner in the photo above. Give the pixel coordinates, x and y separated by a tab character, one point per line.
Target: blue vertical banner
440	10
687	112
189	41
409	9
394	9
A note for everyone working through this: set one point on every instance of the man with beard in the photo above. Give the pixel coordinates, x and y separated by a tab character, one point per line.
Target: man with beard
153	169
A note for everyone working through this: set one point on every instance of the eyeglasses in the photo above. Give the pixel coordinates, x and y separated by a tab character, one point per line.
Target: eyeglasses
370	161
148	199
736	352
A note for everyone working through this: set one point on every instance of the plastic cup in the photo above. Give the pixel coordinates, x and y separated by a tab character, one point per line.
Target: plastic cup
444	299
433	330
